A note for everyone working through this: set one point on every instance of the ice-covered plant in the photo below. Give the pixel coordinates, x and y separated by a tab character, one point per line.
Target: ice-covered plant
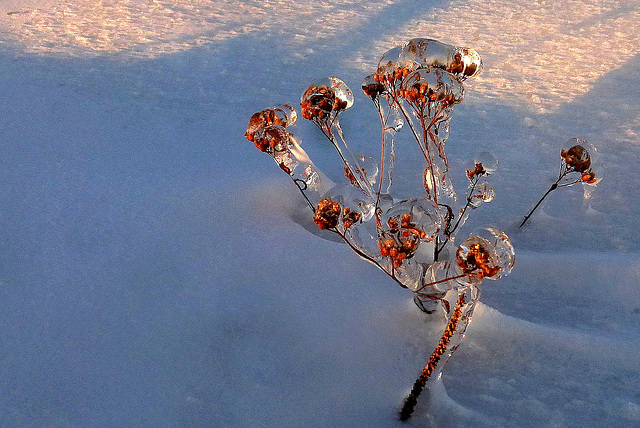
575	167
411	239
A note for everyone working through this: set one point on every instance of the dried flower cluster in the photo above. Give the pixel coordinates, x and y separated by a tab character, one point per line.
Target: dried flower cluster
401	240
327	214
417	84
575	167
412	240
577	159
475	257
319	103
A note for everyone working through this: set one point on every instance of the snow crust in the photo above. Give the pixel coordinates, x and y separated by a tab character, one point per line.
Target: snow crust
155	269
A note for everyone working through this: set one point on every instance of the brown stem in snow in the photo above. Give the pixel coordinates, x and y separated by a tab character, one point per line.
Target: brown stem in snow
411	401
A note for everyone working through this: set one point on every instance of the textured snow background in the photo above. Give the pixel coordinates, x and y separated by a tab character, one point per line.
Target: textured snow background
151	272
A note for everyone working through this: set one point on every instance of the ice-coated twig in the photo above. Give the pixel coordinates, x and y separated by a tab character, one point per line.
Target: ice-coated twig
575	167
321	104
454	330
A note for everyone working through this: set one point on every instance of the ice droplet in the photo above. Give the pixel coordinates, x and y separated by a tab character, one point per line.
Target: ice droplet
364	237
342	92
311	178
389	60
410	273
398	124
434	280
504	251
369	167
482	193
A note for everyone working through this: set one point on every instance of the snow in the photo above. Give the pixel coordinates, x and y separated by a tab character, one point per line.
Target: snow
155	267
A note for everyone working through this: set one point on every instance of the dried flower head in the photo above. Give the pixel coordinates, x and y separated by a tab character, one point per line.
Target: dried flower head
396	247
426	86
272	139
389	63
318	102
321	102
577	158
327	214
476	172
401	240
476	257
371	87
283	115
349	218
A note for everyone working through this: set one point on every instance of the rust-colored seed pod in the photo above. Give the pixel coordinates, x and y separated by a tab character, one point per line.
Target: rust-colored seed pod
577	158
327	214
477	171
260	120
588	177
476	261
349	218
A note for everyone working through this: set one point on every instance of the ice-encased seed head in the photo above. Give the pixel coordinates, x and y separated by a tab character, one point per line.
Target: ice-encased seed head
325	99
466	63
431	86
488	161
392	68
577	158
355	204
272	139
476	258
327	214
430	53
419	214
342	92
420	53
372	88
477	171
488	253
283	115
406	225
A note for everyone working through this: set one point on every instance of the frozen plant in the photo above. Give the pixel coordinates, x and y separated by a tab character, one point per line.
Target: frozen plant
411	239
575	167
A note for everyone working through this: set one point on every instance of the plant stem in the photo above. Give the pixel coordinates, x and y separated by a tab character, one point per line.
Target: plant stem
554	186
411	401
451	278
381	172
450	231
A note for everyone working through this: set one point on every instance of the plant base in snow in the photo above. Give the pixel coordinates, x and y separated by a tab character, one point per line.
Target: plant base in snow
451	329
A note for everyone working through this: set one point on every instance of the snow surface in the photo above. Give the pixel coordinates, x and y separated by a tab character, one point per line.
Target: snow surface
154	271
